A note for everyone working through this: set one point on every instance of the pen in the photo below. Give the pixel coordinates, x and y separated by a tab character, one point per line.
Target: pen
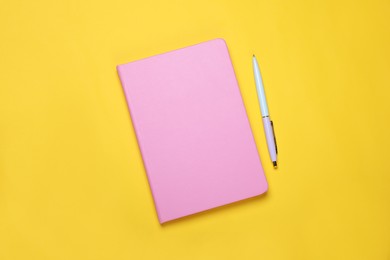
267	123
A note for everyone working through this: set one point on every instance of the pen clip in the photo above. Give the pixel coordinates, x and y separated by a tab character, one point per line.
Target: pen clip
273	131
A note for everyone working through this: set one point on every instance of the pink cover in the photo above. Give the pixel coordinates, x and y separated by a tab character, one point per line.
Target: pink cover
192	129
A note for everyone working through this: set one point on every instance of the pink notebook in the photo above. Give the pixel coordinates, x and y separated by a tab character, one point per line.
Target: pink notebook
192	129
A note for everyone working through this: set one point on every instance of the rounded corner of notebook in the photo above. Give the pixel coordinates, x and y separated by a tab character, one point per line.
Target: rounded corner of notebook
119	67
220	41
263	188
163	220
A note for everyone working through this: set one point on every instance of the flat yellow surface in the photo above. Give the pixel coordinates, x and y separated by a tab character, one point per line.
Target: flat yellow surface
72	182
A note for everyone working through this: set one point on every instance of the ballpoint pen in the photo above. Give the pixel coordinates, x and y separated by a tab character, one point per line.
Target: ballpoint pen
267	123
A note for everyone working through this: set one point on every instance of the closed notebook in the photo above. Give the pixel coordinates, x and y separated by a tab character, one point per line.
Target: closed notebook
192	129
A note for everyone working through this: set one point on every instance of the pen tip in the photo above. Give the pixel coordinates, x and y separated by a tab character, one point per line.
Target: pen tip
254	56
275	164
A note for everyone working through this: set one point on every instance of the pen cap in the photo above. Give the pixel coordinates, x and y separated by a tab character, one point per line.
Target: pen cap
260	87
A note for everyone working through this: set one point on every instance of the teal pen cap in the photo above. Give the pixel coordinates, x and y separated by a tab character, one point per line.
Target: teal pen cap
260	88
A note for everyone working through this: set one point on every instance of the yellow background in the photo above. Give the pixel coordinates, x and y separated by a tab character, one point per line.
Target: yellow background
72	182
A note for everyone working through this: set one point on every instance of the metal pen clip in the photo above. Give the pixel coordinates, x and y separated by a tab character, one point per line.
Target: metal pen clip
273	131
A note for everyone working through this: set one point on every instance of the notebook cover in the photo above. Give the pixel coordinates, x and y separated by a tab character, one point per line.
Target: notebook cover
192	129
